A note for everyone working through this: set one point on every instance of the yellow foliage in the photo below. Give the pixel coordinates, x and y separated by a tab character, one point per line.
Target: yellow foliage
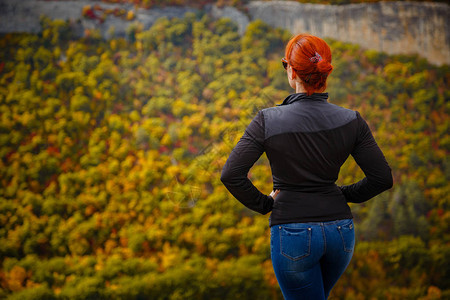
16	278
169	256
130	15
166	140
189	98
85	9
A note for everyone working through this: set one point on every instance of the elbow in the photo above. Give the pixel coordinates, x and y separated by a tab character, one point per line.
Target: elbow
383	183
231	179
387	182
225	177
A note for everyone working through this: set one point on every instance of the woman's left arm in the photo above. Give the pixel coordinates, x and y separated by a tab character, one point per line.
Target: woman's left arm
235	171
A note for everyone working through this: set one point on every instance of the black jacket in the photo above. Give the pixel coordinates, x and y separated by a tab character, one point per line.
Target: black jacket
306	140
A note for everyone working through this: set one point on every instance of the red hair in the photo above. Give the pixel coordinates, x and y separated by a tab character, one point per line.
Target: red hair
310	57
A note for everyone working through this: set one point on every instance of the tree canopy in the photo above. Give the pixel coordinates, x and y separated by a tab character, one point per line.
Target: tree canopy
111	153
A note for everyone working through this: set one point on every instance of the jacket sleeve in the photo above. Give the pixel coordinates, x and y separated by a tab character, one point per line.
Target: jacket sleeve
372	162
235	171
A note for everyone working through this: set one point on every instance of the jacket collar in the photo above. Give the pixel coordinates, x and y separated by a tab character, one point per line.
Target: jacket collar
303	97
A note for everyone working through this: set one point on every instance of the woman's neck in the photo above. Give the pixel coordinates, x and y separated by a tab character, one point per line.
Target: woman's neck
299	87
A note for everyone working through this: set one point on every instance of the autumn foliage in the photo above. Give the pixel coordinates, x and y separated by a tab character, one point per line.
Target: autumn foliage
111	153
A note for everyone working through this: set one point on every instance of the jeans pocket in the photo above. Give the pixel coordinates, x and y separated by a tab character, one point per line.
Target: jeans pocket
295	243
347	233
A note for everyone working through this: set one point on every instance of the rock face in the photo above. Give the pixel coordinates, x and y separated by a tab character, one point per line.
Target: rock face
230	12
392	27
24	15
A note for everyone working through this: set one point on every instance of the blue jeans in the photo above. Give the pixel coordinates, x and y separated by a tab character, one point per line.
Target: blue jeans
309	258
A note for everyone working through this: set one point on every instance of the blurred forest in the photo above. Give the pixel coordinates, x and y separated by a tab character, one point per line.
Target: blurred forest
111	153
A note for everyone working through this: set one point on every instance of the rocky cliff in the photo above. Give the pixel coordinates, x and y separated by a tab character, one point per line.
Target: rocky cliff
24	15
392	27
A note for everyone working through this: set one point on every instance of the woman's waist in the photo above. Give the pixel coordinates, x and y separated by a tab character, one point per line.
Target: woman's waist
310	198
291	206
315	189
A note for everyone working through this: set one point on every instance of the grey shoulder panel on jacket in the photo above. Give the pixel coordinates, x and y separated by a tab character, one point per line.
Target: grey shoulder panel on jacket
308	116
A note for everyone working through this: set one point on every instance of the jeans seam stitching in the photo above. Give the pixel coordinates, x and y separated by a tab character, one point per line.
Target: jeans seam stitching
343	241
324	240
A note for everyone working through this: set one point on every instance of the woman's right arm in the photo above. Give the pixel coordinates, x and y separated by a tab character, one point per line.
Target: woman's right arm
235	171
372	162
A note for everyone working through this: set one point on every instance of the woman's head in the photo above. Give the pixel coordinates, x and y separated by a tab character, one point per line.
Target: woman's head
310	59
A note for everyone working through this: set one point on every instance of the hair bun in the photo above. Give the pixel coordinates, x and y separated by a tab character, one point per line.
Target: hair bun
323	66
310	57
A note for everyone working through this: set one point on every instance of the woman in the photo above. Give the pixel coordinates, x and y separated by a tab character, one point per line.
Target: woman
306	140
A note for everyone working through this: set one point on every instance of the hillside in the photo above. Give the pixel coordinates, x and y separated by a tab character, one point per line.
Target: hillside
111	153
394	27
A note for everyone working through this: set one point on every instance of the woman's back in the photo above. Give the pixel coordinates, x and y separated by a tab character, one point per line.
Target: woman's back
307	139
